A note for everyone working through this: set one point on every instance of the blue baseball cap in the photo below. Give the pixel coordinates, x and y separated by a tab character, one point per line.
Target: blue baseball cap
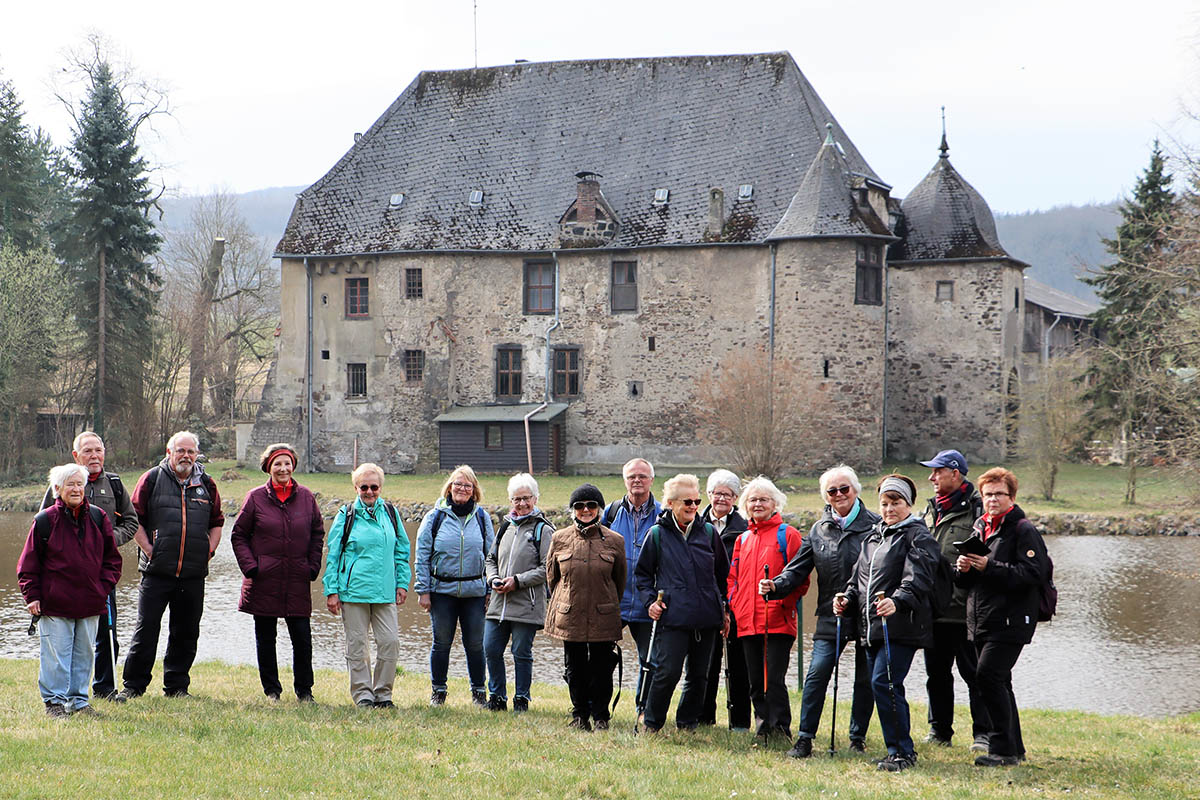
948	458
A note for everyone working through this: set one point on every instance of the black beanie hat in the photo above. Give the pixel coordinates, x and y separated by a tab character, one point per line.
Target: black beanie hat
584	493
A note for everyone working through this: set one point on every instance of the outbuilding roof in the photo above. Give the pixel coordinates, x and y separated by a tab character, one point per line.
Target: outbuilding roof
1056	301
518	134
505	413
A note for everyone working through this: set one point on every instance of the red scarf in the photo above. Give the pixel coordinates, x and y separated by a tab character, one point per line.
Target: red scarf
282	492
992	524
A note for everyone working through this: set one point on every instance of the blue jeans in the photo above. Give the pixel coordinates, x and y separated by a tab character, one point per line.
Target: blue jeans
68	652
812	702
893	721
495	638
447	612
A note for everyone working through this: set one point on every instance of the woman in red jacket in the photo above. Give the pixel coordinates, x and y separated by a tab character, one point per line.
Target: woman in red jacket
771	543
277	539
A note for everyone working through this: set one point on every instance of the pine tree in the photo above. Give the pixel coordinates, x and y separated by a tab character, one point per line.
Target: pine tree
114	240
20	204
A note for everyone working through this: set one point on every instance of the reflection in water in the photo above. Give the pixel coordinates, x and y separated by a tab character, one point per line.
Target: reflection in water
1125	640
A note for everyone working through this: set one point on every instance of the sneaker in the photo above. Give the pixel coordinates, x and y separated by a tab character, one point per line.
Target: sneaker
858	745
86	711
936	738
496	703
384	704
479	698
306	698
115	697
56	710
980	745
366	702
580	723
438	697
898	762
600	725
989	760
128	694
520	705
802	748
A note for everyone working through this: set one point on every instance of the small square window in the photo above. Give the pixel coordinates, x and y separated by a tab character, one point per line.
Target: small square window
414	288
493	436
324	355
356	380
939	405
650	343
624	286
944	292
414	365
357	298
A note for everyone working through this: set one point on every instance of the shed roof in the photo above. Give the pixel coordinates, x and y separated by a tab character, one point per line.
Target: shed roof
1056	301
505	413
519	133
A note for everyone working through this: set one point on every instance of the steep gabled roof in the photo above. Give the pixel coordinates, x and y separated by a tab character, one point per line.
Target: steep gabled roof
944	217
1057	301
519	134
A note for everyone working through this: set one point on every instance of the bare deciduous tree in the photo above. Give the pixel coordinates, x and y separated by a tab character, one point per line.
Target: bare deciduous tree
1052	412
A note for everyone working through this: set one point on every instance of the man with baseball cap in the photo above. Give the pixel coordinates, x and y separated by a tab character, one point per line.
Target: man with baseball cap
951	515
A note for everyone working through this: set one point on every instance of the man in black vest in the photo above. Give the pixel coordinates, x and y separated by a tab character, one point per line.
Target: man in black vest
105	491
180	518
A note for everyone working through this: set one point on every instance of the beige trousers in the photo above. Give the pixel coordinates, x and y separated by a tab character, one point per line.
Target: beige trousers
381	618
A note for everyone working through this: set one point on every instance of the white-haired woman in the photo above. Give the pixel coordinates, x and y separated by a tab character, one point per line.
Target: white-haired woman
516	572
683	557
766	628
68	567
831	549
893	582
722	513
366	577
452	544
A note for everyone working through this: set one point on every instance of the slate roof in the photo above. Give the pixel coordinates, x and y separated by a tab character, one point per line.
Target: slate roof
506	413
946	218
520	133
824	204
1056	301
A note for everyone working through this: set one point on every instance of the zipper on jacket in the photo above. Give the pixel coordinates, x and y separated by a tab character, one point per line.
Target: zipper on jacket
183	528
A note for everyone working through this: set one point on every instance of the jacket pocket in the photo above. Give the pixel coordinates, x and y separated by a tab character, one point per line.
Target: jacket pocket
606	608
608	557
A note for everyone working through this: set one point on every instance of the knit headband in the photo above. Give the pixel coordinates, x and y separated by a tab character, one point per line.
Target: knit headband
899	487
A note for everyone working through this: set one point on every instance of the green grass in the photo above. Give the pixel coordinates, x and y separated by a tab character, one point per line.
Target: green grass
1083	488
229	741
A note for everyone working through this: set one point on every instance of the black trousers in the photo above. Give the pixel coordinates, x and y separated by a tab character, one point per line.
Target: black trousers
996	661
300	631
950	647
737	690
772	708
185	598
588	670
103	681
675	648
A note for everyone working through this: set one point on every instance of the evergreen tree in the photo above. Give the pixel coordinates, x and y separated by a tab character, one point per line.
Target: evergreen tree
20	204
114	240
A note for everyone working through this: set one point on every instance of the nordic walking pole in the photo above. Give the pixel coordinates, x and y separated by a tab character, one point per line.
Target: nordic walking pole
837	652
112	637
766	619
647	673
887	652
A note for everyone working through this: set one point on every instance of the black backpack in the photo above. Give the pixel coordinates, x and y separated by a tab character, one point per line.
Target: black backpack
943	587
41	527
1048	594
348	524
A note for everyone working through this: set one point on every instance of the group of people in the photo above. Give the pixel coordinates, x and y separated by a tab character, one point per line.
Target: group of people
699	583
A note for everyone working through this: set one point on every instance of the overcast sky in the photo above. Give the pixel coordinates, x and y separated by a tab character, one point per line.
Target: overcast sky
1047	103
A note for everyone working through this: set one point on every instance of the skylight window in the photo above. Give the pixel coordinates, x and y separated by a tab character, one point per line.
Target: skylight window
476	199
746	192
661	196
396	200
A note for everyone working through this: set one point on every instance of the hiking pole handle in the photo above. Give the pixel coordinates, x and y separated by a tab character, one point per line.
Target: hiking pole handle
839	596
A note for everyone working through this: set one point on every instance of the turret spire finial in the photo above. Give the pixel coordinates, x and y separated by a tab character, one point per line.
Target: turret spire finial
945	148
829	133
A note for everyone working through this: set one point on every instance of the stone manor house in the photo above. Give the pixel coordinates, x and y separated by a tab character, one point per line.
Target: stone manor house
546	260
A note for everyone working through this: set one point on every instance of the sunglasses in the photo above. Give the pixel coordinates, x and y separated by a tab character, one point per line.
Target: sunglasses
369	487
590	505
689	502
834	491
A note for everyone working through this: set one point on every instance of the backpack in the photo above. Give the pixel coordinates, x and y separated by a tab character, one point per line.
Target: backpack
780	538
348	523
536	541
41	528
1048	594
943	587
610	513
480	517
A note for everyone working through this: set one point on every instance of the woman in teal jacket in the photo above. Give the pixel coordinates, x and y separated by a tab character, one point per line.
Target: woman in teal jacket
366	577
452	543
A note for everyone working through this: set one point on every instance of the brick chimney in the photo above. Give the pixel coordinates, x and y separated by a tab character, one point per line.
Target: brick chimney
716	213
587	193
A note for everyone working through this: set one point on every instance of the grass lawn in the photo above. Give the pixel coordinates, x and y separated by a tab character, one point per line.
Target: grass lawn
1086	488
229	741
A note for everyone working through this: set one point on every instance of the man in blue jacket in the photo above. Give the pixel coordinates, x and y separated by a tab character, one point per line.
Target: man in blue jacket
632	516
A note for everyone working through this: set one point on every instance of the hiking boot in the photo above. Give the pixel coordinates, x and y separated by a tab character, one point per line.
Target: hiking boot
438	697
802	748
128	694
898	762
980	745
479	698
306	698
520	705
182	693
496	703
384	704
858	745
600	725
85	711
580	723
934	737
366	702
56	710
115	697
990	760
273	697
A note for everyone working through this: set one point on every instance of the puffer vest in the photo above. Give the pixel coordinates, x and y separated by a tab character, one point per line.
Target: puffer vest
178	515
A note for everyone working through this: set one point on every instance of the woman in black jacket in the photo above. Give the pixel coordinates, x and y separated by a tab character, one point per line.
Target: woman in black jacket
1002	607
890	594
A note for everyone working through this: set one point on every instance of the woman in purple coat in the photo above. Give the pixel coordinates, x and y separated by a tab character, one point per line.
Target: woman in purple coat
277	539
68	567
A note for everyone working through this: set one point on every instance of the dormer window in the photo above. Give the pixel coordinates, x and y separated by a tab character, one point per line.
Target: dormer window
661	197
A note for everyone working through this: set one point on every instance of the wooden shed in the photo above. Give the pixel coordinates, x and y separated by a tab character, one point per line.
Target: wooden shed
492	438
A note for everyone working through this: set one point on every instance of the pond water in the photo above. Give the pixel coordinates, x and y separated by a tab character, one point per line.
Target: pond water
1126	639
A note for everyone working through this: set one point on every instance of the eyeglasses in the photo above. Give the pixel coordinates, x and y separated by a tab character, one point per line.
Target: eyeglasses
721	495
690	501
590	505
522	500
642	478
458	485
993	495
369	487
834	491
